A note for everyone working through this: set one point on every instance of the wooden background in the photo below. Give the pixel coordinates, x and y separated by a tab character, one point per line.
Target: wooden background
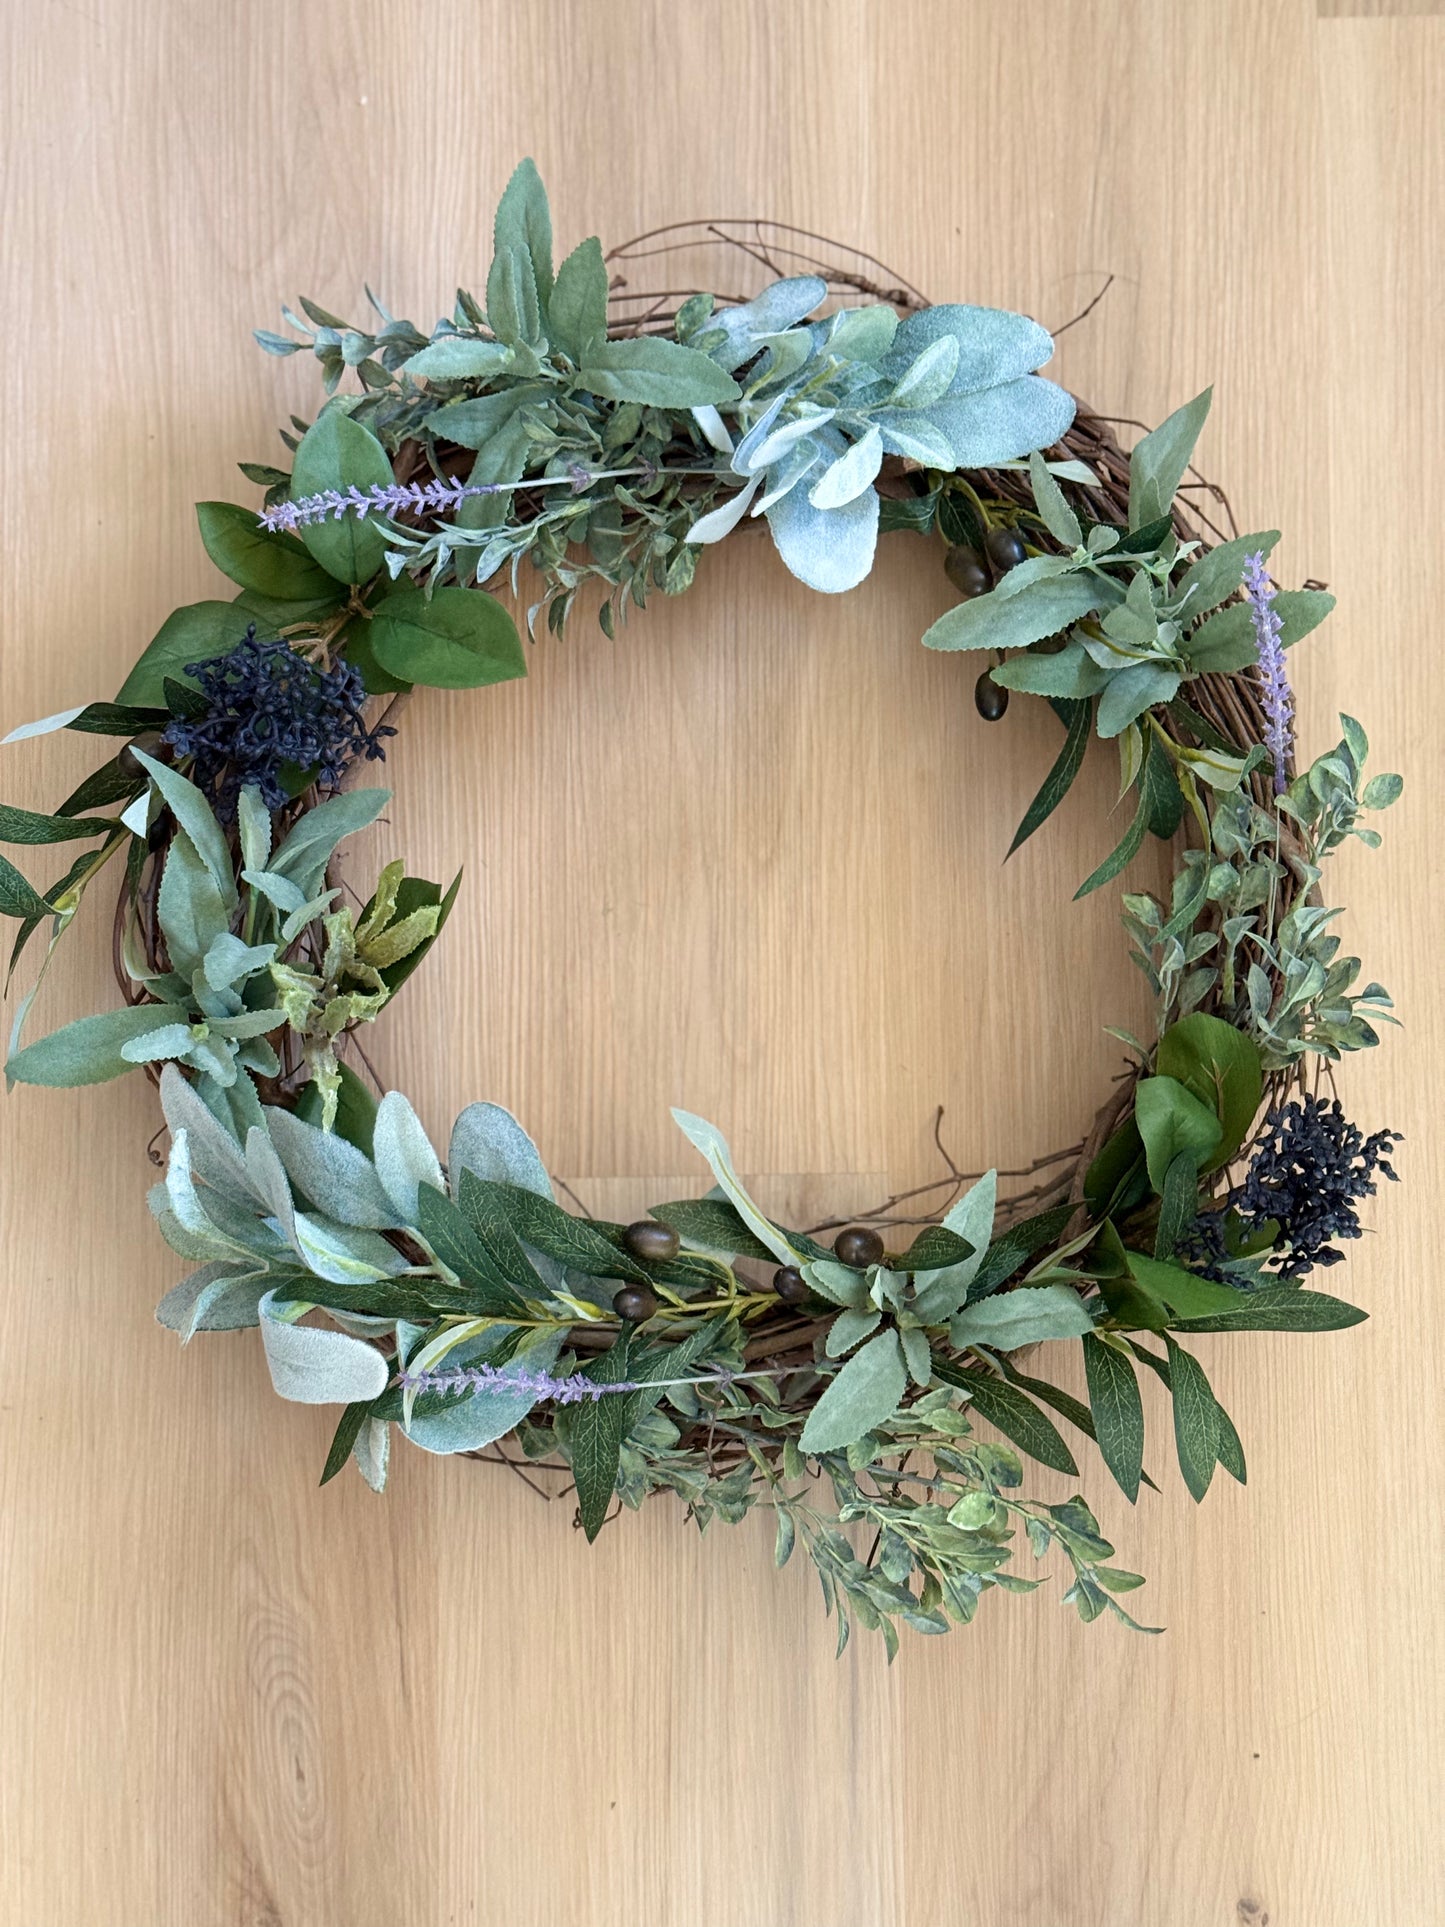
747	859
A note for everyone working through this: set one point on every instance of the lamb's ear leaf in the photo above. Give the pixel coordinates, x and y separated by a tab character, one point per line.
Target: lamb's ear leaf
318	1367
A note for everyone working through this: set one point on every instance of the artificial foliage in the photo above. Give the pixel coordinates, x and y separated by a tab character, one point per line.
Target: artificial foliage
859	1388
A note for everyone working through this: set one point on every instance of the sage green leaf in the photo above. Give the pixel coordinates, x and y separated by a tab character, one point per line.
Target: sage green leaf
196	817
1221	1067
1225	641
1027	1316
1178	1202
1218	573
1069	674
477	420
452	639
199	632
840	1284
1144	685
850	1328
658	373
1059	519
1196	1419
305	853
1381	791
459	358
338	1255
524	221
219	1297
864	1394
1277	1308
1038	610
595	1439
1118	1413
273	564
89	1051
1172	1119
1057	783
1009	1250
215	1155
1159	460
577	312
1006	1408
338	453
316	1367
940	1292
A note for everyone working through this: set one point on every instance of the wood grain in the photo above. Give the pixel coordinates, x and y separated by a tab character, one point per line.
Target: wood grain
746	858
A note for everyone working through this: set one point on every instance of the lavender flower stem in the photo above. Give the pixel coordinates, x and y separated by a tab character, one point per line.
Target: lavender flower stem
435	497
568	1390
1275	692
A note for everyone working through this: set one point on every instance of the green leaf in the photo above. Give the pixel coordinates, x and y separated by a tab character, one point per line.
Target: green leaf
1117	1180
1231	1450
117	719
1068	674
355	1109
1006	1408
1145	685
1184	1292
25	826
1171	1119
556	1233
1221	1067
199	632
1028	1315
1118	1413
595	1439
18	896
1224	642
577	312
1122	855
1020	1241
1056	785
1034	612
1178	1204
712	1224
658	373
1158	461
1196	1419
89	1050
864	1394
272	564
348	1427
1277	1308
1378	794
338	453
459	1248
454	639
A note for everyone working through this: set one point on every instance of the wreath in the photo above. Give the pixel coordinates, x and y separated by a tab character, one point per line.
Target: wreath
607	438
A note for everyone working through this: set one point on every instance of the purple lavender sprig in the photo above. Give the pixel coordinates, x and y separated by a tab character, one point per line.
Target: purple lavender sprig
1273	678
569	1390
436	497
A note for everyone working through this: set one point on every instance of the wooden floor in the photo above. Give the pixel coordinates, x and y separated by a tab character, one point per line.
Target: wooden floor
746	858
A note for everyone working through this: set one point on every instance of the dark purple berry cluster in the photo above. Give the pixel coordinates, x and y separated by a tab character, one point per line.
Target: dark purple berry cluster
272	718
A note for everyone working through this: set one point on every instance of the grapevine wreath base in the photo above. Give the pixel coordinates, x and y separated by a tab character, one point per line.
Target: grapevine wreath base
607	437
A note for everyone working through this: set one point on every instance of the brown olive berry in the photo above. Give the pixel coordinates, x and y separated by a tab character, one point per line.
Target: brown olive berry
859	1247
149	743
790	1285
988	699
1005	550
648	1239
964	568
634	1303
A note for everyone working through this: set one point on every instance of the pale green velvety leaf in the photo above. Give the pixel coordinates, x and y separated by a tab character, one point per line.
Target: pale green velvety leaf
1040	609
89	1050
197	819
488	1140
315	1367
337	1178
941	1292
864	1394
304	855
403	1155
